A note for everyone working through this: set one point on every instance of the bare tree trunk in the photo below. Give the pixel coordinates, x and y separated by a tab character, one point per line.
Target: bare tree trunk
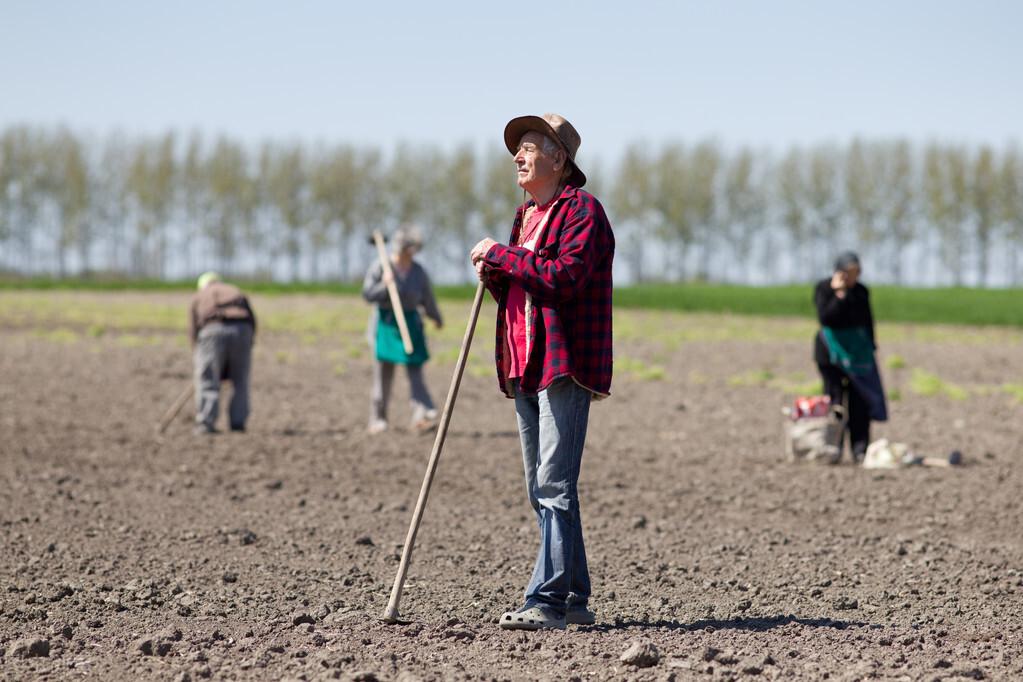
113	247
750	259
83	253
703	264
769	258
681	262
982	265
161	256
28	253
466	247
808	264
271	259
343	253
897	263
636	259
61	256
136	256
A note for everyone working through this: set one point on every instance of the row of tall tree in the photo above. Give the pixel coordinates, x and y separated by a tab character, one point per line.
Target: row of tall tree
170	206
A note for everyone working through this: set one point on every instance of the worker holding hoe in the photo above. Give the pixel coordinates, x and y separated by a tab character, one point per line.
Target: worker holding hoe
415	292
222	328
552	282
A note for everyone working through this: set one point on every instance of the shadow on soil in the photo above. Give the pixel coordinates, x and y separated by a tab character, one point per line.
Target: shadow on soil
475	435
751	624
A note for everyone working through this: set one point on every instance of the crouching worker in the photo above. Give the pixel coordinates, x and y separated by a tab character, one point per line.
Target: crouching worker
222	327
415	292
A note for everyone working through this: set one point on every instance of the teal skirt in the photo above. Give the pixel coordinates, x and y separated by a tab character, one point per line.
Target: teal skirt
389	347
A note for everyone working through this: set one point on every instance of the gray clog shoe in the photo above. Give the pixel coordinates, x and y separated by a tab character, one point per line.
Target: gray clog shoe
532	618
580	615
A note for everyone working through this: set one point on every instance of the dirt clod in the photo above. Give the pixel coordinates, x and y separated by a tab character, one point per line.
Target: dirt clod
303	618
64	630
362	676
846	603
641	655
30	648
751	669
726	658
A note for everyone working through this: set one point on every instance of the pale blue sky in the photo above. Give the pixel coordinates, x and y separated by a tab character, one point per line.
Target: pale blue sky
769	73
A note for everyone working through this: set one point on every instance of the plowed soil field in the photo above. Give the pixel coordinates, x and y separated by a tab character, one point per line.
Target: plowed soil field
270	554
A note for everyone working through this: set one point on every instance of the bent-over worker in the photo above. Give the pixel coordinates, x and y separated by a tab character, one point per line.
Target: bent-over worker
222	328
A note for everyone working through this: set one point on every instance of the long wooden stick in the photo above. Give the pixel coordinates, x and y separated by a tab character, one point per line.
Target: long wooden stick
174	409
391	612
392	290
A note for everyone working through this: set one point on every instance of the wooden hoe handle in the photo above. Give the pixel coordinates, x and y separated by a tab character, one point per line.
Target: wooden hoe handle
391	612
392	290
174	409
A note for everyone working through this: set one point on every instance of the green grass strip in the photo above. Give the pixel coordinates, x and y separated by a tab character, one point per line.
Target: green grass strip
951	305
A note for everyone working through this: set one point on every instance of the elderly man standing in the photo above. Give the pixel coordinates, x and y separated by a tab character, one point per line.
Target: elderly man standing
552	282
221	327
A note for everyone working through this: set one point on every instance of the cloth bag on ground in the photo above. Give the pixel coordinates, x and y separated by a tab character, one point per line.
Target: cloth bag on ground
813	430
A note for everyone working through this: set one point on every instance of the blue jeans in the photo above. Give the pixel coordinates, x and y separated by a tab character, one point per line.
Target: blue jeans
552	428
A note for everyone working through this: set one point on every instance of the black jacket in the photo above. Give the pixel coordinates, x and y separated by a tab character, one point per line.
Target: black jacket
832	311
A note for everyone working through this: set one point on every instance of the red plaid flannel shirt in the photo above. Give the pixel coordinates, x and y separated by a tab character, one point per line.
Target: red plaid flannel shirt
568	277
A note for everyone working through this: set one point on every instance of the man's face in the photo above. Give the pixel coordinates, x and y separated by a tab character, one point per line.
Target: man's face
535	167
852	275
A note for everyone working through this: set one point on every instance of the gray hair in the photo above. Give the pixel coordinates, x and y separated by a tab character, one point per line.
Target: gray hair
407	236
549	146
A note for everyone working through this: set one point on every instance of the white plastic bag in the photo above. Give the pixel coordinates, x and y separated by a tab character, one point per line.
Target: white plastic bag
882	454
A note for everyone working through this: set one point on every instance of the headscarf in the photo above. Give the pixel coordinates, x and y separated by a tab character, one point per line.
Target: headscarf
846	259
205	278
407	236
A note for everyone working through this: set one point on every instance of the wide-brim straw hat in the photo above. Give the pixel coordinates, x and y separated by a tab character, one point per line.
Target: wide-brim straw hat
556	128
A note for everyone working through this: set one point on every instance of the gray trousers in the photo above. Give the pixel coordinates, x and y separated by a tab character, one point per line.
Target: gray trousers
223	351
383	379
